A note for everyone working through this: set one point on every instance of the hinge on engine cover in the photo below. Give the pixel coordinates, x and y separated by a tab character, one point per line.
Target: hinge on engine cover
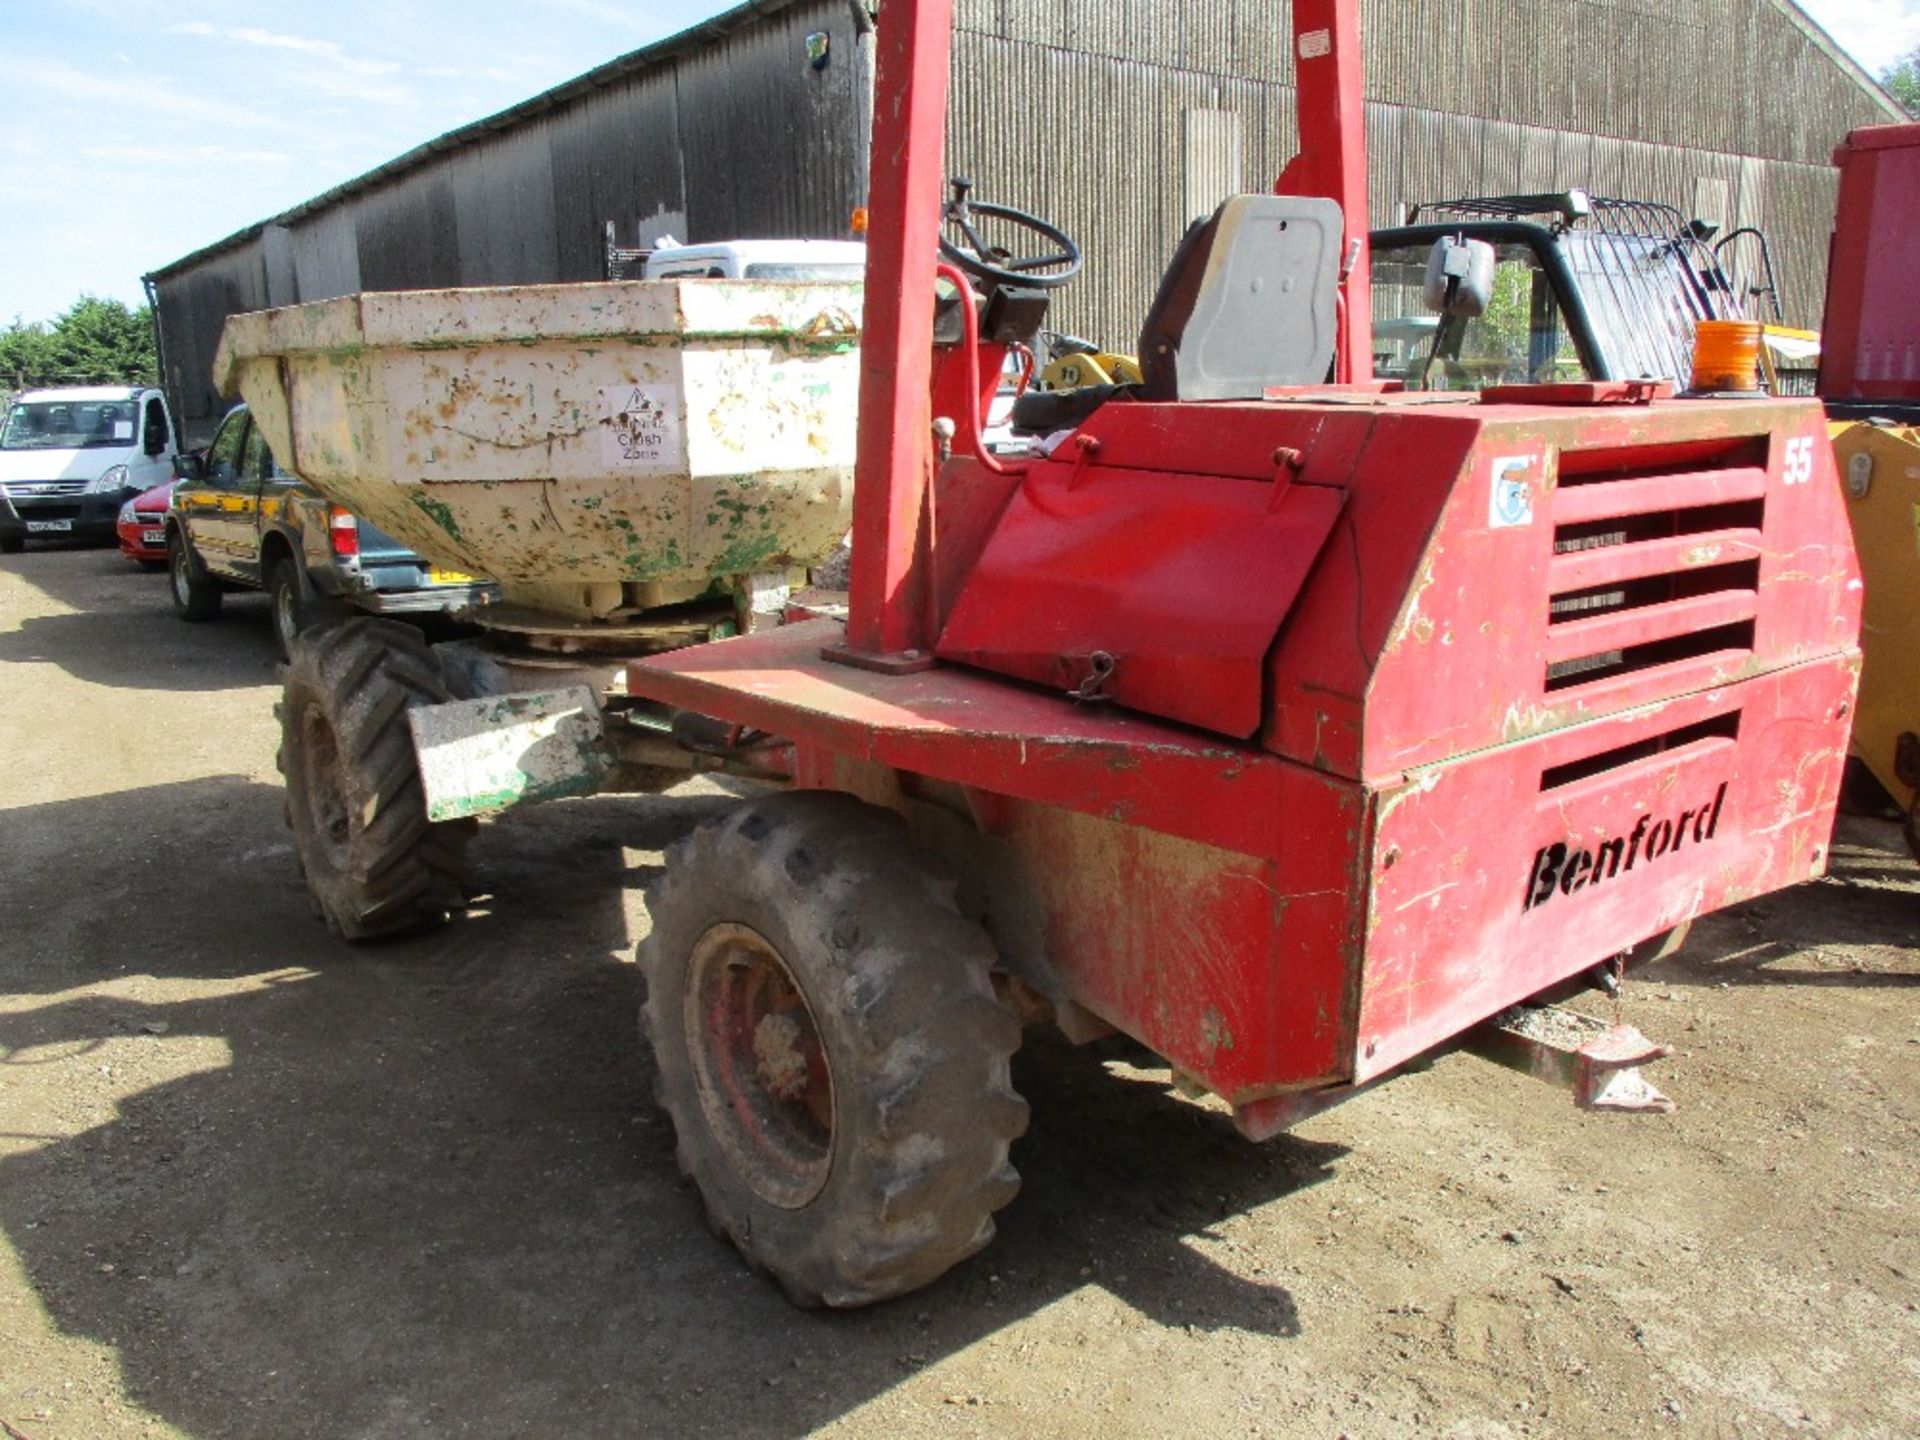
1092	690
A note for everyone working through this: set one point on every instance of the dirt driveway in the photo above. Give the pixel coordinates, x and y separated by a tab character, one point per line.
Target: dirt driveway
254	1184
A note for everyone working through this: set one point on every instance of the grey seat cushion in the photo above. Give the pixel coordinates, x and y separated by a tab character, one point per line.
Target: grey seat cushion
1247	302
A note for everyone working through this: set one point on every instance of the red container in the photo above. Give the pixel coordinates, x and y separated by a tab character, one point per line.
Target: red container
1870	343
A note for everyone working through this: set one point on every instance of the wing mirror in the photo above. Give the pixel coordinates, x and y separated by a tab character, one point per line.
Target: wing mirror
1459	278
189	467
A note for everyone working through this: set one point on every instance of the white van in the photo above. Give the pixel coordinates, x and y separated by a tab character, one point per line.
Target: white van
758	260
69	458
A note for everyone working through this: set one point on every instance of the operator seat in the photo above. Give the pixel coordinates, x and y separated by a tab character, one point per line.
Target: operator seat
1248	301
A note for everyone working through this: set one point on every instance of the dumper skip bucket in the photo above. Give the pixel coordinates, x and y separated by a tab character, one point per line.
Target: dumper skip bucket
664	433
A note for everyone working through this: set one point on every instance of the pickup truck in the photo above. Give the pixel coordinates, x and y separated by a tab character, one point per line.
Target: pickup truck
237	521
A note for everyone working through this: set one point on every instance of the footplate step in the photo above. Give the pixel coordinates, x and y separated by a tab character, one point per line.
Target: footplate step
1597	1061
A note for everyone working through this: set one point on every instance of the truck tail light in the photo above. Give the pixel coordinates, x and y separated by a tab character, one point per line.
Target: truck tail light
344	531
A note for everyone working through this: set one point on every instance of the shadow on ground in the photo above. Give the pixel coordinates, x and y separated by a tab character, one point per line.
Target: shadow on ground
426	1191
119	629
1865	906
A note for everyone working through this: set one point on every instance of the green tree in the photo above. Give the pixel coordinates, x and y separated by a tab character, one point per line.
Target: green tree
96	342
23	355
1902	82
101	341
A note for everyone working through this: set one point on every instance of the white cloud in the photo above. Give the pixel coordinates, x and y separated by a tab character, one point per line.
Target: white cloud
495	73
1877	33
613	15
355	88
61	81
137	132
329	50
184	155
341	75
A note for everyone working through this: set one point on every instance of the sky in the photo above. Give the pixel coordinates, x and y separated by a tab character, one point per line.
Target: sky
136	132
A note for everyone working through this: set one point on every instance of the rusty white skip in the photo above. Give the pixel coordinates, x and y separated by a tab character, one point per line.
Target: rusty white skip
663	433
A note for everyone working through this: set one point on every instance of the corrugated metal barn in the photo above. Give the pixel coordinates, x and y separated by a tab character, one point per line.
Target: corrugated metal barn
1118	119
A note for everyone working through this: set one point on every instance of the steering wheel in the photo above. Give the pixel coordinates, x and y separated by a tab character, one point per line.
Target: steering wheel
1057	262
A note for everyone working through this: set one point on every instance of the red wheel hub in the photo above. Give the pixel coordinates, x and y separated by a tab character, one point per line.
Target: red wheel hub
765	1083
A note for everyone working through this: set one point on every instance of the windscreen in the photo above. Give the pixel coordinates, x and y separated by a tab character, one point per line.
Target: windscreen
767	270
1521	339
1641	300
69	425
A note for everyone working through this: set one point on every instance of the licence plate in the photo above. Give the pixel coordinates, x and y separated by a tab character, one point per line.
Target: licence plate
41	527
153	537
449	577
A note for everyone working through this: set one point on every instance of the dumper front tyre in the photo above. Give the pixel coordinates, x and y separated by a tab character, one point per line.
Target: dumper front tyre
829	1048
374	864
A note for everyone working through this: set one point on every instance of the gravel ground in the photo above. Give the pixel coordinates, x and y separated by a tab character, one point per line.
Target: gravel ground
254	1184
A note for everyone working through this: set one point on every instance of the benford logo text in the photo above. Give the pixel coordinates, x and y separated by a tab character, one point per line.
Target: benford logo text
1559	869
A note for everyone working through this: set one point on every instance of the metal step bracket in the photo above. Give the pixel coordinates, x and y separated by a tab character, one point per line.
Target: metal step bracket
1599	1062
479	757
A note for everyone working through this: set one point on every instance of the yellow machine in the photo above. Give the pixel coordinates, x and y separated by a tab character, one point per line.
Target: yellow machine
1789	359
1880	471
1080	369
1870	379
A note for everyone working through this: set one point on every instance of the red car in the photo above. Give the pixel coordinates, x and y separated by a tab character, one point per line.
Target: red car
142	526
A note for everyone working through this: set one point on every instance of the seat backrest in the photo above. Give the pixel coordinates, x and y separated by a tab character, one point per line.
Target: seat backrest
1248	301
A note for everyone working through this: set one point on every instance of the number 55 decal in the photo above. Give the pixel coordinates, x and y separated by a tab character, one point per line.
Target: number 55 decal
1799	467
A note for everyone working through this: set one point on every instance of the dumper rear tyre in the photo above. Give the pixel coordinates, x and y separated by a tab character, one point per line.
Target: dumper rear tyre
374	864
830	1049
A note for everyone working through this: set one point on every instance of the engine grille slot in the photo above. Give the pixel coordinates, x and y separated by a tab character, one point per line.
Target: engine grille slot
1689	738
1656	559
1653	462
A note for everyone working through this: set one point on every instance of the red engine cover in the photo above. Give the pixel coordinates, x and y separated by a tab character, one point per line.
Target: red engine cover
1182	579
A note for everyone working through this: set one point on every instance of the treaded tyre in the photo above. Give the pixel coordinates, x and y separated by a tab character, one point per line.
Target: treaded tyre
829	1048
289	614
374	864
196	594
293	613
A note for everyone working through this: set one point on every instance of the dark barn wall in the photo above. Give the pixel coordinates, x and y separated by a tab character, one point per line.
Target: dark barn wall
189	312
772	148
407	237
609	164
